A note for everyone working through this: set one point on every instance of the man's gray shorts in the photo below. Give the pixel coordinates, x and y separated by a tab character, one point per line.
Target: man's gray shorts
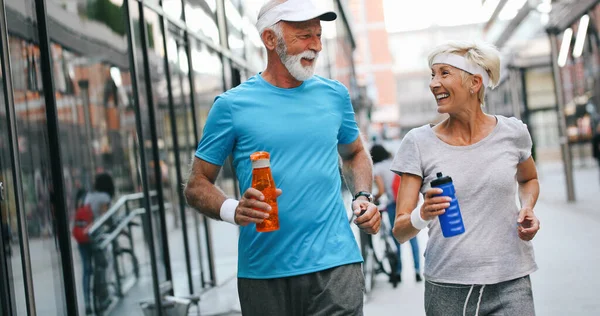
332	292
505	298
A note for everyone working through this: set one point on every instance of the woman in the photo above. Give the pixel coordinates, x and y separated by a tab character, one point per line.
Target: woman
99	200
383	181
486	269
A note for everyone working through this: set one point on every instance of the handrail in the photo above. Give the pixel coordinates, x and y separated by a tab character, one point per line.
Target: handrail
115	208
115	233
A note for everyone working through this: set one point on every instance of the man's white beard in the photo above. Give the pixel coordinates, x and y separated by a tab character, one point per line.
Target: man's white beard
293	63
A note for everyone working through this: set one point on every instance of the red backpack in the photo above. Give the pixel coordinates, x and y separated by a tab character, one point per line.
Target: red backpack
396	185
84	217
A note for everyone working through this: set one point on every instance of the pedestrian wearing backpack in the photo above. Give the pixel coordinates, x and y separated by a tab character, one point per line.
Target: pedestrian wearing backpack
388	182
95	203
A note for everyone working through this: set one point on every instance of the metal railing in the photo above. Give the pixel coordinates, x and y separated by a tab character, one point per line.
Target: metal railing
113	282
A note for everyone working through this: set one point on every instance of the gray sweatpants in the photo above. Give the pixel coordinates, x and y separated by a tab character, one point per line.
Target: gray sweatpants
333	292
507	298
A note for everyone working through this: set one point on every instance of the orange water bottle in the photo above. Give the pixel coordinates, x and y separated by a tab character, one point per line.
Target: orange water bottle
262	180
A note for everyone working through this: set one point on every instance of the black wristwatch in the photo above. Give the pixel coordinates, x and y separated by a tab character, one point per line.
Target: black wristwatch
366	194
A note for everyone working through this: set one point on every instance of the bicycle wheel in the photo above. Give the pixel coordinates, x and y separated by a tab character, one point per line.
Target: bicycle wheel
392	259
127	263
369	269
103	286
383	246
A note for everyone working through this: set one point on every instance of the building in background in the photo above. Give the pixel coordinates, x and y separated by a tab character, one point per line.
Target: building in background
124	87
553	74
374	65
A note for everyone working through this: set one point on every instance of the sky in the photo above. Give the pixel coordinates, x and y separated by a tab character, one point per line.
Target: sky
413	15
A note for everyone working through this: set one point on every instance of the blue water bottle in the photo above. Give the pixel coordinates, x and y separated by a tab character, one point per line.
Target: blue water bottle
451	221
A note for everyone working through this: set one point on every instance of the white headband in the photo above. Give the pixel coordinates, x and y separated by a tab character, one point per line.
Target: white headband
462	63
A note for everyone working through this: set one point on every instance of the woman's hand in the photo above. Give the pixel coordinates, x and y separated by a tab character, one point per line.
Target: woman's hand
434	205
529	224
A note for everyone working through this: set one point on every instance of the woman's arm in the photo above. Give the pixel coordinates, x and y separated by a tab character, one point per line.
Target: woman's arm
529	190
406	202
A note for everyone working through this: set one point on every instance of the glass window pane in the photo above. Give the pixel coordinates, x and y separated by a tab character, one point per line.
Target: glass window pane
182	119
173	8
201	18
8	216
30	108
235	25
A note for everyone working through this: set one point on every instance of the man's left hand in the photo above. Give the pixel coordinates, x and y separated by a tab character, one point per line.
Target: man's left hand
529	224
367	214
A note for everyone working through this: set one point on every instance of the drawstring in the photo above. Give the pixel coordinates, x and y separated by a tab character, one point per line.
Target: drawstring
478	301
467	300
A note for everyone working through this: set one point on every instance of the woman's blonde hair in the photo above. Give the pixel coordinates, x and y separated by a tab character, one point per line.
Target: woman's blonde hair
480	53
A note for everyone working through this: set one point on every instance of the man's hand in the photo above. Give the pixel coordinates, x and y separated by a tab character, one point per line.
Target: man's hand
252	208
529	224
367	214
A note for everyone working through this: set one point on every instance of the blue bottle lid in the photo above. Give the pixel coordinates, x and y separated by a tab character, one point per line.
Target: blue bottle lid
441	179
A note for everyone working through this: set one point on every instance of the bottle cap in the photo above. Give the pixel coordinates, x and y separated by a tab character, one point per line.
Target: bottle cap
260	155
441	179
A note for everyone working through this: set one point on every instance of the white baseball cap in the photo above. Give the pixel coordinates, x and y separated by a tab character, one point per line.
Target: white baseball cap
293	11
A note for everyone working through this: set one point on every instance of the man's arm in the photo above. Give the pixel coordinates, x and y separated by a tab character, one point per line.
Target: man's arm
201	192
357	169
357	166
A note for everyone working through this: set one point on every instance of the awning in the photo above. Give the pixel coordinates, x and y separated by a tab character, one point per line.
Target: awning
566	12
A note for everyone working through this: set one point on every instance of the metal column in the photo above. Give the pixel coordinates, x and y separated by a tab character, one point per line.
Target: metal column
140	137
58	200
562	122
16	166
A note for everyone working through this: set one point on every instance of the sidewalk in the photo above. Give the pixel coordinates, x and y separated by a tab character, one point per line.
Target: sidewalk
568	279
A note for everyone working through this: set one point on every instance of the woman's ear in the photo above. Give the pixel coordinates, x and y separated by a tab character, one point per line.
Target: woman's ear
476	84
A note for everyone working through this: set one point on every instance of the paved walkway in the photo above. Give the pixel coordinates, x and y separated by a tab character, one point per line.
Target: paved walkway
567	282
567	253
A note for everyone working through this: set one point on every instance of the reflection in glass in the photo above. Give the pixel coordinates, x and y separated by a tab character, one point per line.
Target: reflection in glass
201	18
30	108
235	25
158	166
8	216
182	120
173	8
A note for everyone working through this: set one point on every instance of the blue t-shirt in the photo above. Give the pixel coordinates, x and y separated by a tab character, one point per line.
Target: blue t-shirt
301	128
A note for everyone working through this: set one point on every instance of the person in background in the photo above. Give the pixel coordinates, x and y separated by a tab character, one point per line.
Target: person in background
486	269
384	179
311	265
596	143
99	200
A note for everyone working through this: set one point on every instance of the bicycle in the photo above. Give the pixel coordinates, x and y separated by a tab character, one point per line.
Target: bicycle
113	265
380	254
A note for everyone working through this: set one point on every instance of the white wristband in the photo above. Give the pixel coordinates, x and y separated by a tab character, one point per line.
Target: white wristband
417	221
227	212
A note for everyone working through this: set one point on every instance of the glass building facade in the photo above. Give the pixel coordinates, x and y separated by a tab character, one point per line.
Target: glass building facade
121	87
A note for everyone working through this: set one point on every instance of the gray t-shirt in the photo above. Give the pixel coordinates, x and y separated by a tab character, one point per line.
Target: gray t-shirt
382	169
96	200
484	176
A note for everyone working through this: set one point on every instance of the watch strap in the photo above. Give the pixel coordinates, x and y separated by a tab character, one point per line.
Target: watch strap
366	194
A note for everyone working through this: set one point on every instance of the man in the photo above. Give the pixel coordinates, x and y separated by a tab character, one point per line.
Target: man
311	265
